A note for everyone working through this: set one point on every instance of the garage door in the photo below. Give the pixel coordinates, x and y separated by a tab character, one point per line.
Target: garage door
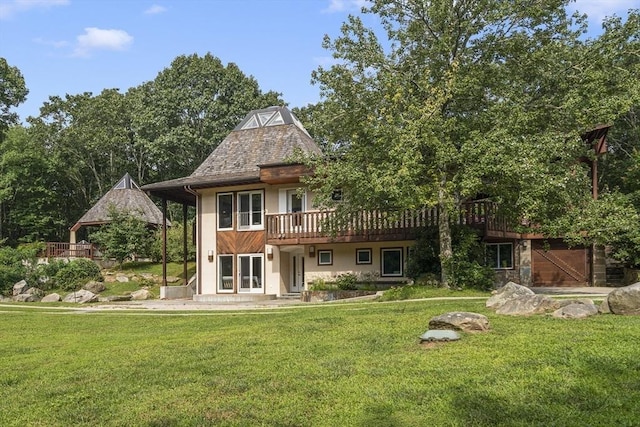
553	263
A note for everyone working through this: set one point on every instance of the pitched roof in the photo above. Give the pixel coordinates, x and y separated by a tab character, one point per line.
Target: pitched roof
264	137
126	195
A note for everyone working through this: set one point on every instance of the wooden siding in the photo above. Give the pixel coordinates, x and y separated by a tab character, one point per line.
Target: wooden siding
283	174
555	264
240	242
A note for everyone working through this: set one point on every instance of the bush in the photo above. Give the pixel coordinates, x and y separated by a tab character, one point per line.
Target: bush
17	264
347	282
175	244
76	273
125	237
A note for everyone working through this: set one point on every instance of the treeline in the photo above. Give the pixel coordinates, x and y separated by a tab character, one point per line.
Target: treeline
54	169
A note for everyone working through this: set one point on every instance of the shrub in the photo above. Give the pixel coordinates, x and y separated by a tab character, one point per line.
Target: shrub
125	237
347	282
17	264
76	273
175	244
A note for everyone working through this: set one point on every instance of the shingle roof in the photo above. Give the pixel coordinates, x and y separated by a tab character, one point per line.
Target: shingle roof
126	195
264	137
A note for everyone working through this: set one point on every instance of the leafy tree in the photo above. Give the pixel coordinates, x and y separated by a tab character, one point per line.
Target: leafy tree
126	236
13	92
468	98
175	243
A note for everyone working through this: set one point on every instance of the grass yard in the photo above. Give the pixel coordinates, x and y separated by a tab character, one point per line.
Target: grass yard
332	365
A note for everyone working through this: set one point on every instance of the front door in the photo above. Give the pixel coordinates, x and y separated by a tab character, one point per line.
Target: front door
297	271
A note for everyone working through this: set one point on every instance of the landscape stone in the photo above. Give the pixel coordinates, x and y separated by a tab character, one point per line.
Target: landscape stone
113	298
35	291
576	311
20	287
95	287
508	292
625	300
439	335
82	296
141	294
460	320
51	298
604	307
172	279
26	298
527	304
565	302
122	278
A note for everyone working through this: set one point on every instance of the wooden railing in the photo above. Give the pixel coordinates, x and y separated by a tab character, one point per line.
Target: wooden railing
70	250
375	224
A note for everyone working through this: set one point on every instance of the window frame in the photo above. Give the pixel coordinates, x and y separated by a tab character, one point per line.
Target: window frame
497	265
324	251
221	288
383	251
364	250
252	273
251	211
232	213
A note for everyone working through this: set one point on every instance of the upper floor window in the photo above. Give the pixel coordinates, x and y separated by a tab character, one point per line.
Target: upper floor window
499	255
250	208
225	211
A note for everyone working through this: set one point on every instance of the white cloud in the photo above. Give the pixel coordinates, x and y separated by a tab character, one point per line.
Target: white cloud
9	8
155	9
345	6
99	39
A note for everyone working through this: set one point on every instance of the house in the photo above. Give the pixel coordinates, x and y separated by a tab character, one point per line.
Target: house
258	233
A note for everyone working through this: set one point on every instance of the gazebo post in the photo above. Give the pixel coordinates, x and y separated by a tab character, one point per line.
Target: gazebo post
184	243
164	242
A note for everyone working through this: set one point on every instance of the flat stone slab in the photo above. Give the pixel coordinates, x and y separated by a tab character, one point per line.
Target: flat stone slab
439	335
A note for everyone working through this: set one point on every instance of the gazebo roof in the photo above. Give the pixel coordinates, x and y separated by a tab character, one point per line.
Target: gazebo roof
127	196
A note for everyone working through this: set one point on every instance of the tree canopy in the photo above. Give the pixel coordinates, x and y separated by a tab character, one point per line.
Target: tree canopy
13	92
468	99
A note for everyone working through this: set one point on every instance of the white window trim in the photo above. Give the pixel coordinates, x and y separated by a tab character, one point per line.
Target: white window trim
367	250
220	277
497	245
250	226
251	289
218	211
398	250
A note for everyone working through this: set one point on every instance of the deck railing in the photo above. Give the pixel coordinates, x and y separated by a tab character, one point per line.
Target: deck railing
376	224
70	250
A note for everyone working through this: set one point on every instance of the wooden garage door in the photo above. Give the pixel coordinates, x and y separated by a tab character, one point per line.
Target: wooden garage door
554	264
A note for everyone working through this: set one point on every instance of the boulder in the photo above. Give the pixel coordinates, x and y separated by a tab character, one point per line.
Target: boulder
51	298
461	321
20	287
122	278
95	287
604	307
507	292
82	296
576	311
172	279
527	304
113	298
26	298
35	291
565	302
625	300
141	294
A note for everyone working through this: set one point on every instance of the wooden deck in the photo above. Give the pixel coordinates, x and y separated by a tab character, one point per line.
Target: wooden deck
324	226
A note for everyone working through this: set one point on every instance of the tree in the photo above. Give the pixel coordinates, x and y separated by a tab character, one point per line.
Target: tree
467	99
126	236
13	92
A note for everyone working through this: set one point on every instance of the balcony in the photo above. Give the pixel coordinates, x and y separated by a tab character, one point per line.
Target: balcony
324	226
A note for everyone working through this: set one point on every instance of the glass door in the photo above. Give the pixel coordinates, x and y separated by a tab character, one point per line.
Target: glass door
250	273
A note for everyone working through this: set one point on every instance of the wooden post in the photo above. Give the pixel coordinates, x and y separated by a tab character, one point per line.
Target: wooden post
164	242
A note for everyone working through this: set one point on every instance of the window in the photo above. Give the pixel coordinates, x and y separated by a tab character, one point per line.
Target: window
325	257
363	256
225	211
250	273
225	273
499	255
391	260
250	210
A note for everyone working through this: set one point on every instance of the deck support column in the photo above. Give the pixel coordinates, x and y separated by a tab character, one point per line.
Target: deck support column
164	242
185	251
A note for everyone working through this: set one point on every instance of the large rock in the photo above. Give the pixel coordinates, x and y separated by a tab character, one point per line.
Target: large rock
576	311
20	287
95	287
82	296
461	321
51	298
625	300
507	292
526	305
35	291
114	298
142	294
122	278
26	298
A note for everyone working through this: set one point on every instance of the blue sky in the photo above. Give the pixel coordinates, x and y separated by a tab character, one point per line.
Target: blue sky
76	46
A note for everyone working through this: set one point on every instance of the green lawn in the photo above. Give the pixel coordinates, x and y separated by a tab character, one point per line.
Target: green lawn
330	365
